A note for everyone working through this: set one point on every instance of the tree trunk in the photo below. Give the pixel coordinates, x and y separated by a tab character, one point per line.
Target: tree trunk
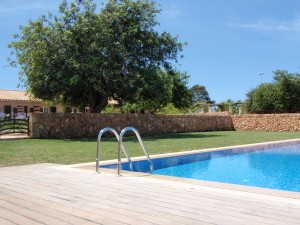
101	106
97	103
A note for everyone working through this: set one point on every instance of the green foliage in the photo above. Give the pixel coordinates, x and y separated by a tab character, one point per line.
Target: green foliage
264	99
171	109
199	93
80	57
234	105
281	96
223	106
67	109
111	109
131	108
228	106
182	98
156	91
159	89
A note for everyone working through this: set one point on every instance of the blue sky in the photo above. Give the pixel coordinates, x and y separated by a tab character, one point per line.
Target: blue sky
229	41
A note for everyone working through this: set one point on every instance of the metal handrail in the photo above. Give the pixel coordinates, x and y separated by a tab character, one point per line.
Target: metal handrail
122	146
98	147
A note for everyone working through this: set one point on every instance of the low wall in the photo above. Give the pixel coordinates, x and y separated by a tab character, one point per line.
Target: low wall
267	122
85	125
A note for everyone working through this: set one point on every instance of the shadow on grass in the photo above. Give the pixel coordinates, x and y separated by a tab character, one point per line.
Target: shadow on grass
181	136
133	138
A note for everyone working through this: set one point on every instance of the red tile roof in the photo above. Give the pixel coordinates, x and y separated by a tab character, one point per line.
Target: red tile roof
12	95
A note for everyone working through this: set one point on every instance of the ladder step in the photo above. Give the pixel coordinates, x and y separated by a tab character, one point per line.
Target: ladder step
121	146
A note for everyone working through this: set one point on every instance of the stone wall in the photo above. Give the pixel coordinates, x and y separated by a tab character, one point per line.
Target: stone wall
84	125
267	122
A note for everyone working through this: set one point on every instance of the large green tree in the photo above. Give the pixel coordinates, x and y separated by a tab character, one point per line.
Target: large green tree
280	96
80	57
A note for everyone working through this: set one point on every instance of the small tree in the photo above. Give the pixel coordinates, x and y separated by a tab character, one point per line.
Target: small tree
280	96
199	93
80	57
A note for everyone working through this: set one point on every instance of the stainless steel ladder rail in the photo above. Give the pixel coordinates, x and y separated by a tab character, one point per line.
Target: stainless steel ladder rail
99	142
122	146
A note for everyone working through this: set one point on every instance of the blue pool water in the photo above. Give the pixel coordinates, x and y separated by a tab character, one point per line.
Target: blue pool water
276	169
275	166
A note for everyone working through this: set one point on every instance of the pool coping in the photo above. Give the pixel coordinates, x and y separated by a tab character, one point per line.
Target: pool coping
220	185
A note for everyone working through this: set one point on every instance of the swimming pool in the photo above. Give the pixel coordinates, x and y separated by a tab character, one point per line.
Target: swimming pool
275	166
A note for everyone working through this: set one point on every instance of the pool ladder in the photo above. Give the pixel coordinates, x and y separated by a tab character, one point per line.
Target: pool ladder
121	146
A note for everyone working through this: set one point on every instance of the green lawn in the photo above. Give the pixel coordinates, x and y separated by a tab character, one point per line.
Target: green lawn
29	151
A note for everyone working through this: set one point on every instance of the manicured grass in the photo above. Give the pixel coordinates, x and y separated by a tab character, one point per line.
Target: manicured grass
30	151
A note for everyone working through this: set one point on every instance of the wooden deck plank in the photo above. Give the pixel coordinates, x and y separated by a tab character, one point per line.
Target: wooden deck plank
44	192
167	193
5	222
95	214
126	206
105	208
173	218
39	212
127	212
16	218
31	213
271	216
41	203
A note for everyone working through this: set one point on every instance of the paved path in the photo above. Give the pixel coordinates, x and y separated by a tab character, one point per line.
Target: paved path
52	194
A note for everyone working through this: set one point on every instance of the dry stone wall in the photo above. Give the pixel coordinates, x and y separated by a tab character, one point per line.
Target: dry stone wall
267	122
85	125
81	125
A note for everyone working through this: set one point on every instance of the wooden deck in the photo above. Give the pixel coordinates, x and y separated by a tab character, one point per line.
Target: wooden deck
51	194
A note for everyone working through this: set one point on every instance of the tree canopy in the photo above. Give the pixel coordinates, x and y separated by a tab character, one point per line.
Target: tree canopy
199	93
280	96
160	89
80	57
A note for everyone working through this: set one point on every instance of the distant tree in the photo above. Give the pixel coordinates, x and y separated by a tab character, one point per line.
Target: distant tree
81	57
289	89
199	93
280	96
264	99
